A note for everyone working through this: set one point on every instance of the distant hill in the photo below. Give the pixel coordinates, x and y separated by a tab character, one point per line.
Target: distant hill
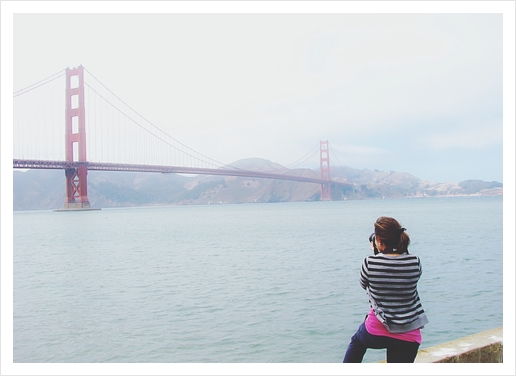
44	189
390	184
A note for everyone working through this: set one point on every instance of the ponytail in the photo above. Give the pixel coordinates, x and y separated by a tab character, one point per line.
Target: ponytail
403	243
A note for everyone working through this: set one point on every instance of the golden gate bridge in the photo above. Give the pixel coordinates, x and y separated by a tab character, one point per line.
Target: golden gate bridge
118	139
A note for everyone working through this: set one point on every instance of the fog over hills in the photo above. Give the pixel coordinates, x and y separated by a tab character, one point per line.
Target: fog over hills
45	189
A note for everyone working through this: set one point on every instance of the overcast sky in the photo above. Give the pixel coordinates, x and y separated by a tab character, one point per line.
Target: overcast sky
418	93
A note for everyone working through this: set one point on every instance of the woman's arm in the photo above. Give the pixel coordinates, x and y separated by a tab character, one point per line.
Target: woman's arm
364	279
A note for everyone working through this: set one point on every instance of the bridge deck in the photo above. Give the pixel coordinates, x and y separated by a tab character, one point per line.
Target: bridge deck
61	165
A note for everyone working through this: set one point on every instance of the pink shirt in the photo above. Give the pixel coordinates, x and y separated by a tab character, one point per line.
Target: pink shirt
376	328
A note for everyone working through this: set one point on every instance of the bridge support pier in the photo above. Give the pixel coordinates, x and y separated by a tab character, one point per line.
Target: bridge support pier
325	170
76	194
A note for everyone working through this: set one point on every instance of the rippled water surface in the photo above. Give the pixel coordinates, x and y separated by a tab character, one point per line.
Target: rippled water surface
240	283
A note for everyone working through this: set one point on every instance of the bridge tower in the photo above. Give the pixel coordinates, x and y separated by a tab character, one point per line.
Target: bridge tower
325	170
75	140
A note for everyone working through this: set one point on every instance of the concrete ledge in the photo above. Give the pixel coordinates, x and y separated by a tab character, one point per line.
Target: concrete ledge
484	347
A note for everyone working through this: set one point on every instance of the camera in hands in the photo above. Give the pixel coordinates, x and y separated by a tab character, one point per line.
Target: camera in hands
372	241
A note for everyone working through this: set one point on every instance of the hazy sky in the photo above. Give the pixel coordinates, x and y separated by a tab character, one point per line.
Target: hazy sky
418	93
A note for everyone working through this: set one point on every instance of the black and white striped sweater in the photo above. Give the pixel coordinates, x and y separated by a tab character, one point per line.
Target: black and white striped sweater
391	283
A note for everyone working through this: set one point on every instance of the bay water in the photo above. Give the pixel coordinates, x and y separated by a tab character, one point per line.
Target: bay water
249	283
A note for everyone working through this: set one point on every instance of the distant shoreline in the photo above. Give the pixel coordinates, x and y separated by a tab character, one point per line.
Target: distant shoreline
282	202
44	190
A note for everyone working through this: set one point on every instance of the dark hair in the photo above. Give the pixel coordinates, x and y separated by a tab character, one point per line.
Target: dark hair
390	232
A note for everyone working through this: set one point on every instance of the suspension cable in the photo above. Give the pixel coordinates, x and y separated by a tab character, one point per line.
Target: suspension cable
159	138
335	155
216	164
160	130
304	158
38	84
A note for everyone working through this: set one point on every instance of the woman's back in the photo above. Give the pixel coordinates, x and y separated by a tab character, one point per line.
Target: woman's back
391	283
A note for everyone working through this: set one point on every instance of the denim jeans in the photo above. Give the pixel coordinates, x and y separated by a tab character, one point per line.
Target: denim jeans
398	351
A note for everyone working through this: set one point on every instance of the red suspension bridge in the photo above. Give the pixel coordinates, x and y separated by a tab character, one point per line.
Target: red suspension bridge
118	139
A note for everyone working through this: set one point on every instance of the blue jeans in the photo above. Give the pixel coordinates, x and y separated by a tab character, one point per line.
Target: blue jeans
398	351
